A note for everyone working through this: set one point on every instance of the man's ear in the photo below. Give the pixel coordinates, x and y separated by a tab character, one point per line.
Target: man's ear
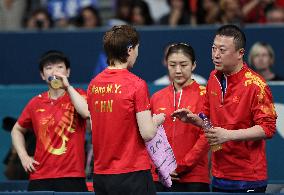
241	53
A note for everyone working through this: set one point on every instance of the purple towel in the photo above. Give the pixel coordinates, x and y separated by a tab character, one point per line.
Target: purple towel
162	156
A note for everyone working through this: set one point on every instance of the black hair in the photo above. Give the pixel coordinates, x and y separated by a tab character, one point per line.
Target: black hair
53	56
186	49
231	30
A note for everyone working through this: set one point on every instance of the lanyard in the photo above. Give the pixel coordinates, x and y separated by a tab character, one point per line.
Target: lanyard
174	119
179	100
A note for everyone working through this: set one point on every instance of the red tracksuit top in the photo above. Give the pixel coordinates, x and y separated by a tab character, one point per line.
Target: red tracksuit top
188	142
247	102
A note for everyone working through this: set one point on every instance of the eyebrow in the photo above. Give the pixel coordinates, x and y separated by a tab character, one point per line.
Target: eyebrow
179	61
222	46
219	45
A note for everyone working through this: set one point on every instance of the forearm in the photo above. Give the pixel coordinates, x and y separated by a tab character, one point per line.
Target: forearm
18	141
78	101
148	124
253	133
148	131
199	122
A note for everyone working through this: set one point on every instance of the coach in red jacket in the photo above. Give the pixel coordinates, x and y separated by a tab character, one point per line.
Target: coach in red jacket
240	106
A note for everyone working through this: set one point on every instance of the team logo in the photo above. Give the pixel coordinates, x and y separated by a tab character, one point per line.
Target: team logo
63	128
40	110
214	93
161	109
236	99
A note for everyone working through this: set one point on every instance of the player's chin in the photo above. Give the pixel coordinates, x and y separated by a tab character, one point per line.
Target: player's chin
180	81
218	67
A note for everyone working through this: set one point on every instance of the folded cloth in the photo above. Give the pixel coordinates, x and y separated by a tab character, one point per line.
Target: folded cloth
161	153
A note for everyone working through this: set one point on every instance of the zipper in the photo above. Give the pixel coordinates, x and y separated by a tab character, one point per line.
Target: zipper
223	94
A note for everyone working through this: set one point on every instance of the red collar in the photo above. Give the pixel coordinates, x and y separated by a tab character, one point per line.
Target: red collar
236	77
194	83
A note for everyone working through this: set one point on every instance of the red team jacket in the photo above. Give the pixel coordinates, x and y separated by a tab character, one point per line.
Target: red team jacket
188	142
60	136
247	102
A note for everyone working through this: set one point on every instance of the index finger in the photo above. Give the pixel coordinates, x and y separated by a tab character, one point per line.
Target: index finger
60	75
32	168
180	111
36	162
175	178
173	174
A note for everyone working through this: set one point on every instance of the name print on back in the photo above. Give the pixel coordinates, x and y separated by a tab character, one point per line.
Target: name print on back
106	103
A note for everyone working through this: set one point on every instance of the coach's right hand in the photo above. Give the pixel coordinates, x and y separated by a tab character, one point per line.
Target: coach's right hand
187	116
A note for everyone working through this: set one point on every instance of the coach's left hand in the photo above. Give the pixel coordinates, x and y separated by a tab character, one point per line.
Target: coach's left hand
217	135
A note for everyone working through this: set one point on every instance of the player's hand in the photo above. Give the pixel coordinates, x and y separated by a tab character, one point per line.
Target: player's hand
174	176
64	79
158	119
28	164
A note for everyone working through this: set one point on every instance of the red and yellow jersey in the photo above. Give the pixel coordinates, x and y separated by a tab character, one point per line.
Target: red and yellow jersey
60	136
247	102
188	142
114	98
